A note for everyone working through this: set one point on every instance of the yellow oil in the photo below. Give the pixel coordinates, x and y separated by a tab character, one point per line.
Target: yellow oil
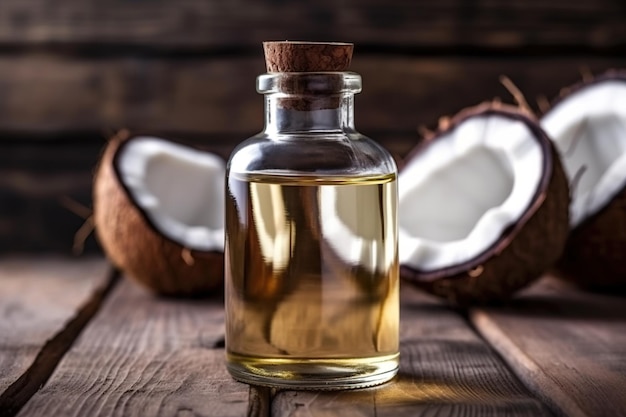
312	280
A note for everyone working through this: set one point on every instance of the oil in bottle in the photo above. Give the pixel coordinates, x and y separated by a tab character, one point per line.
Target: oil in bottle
313	288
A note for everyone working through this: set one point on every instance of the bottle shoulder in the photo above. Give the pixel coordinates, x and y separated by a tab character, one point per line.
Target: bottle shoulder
327	154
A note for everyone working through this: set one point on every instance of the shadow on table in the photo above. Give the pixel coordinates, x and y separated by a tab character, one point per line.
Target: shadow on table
557	300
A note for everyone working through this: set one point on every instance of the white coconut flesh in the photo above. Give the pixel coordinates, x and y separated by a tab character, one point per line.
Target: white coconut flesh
459	195
589	130
180	190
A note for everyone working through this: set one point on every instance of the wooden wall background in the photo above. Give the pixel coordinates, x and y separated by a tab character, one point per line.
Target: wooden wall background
74	71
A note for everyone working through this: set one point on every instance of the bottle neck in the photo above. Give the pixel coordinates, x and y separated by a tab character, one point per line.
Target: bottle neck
294	114
309	102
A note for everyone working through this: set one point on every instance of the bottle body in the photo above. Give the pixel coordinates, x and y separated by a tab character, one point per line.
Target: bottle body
311	258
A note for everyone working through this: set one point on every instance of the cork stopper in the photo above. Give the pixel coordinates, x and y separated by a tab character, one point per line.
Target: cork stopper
307	56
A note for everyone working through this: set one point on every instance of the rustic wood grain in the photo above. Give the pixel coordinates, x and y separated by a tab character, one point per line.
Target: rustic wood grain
217	97
145	356
445	370
569	347
44	305
204	24
37	298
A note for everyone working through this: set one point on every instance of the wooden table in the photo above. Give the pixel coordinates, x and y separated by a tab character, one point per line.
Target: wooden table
76	339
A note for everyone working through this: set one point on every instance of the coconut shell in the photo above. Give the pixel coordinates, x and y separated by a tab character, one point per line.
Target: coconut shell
525	250
133	244
595	254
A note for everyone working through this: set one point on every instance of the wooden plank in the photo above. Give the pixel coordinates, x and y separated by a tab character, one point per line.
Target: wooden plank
38	297
145	356
445	370
40	94
100	95
203	24
35	181
569	347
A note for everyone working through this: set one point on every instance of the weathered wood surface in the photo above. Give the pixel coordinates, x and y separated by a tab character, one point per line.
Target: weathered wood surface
445	370
204	24
216	98
145	356
569	347
37	300
44	306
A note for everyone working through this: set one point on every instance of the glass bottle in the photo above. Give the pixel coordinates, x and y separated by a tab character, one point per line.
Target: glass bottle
311	242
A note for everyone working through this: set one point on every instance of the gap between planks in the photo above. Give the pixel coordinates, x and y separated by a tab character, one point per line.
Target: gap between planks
143	355
260	401
216	97
434	378
172	26
446	369
566	345
18	393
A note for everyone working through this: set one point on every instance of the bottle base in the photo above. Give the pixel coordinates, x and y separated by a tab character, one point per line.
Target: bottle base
313	374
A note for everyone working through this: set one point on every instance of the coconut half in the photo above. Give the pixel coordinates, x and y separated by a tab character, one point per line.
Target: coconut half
483	206
159	213
588	127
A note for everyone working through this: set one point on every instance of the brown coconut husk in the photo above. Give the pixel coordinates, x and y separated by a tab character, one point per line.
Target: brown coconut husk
526	249
595	254
134	245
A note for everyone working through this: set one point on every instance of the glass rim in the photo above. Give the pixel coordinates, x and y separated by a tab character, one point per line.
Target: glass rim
309	83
